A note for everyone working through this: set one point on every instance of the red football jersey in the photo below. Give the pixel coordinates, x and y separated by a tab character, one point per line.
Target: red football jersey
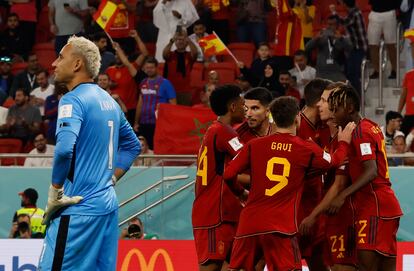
214	201
278	164
376	198
245	133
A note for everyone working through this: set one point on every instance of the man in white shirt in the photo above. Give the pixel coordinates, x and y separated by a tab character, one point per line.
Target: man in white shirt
38	95
303	73
169	17
40	148
199	30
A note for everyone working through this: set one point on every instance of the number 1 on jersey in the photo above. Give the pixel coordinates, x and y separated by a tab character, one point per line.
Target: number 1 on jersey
111	143
202	166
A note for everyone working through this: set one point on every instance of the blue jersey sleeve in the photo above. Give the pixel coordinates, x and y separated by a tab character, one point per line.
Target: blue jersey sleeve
167	90
69	122
129	146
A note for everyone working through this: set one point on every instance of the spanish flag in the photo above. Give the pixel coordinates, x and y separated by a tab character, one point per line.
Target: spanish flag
106	14
213	46
409	34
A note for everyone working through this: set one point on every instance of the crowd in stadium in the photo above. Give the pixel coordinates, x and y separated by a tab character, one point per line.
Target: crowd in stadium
335	37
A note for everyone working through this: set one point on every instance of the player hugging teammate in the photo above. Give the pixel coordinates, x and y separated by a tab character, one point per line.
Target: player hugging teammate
318	184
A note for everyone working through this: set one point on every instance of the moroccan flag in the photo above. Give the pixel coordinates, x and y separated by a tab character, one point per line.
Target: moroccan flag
213	46
409	34
180	129
106	14
288	37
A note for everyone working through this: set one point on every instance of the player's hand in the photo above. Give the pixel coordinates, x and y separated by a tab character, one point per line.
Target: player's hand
335	205
346	134
56	200
307	224
243	197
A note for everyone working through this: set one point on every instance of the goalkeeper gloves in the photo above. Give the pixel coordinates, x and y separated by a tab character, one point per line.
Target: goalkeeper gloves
57	200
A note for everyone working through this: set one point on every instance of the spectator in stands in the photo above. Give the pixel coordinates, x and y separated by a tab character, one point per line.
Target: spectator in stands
306	14
51	111
107	58
251	21
212	84
28	203
124	22
154	90
270	80
122	77
287	82
11	39
104	82
302	71
6	77
40	148
145	18
331	48
256	71
407	101
220	17
66	19
243	83
26	79
38	95
135	231
399	146
178	64
23	119
199	30
27	13
382	21
392	128
355	26
146	162
22	228
407	9
170	17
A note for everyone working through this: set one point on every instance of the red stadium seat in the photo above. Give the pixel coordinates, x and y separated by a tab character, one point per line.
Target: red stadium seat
9	145
227	71
197	75
45	54
18	67
243	51
43	33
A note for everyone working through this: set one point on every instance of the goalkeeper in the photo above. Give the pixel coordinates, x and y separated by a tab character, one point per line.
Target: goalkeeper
95	146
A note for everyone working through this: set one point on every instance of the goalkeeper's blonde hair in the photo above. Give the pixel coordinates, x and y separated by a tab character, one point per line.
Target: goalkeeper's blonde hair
89	52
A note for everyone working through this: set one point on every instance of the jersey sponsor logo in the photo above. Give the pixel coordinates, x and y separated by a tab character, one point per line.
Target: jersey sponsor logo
65	111
365	149
327	157
151	264
147	91
235	144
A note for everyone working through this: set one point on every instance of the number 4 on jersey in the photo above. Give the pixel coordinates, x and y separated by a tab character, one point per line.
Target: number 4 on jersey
202	166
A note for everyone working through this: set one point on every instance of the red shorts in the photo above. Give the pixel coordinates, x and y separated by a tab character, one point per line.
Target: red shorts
214	243
340	236
281	252
374	233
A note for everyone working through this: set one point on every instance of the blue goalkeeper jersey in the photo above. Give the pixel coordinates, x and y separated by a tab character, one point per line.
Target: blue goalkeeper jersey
92	139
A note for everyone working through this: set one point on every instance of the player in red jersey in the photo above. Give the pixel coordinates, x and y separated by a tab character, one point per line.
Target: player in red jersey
377	209
278	164
216	209
311	127
339	228
257	124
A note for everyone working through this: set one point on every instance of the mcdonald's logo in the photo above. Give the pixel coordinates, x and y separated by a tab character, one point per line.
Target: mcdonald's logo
150	265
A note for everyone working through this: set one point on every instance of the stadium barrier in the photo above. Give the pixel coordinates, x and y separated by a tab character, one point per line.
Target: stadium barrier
144	255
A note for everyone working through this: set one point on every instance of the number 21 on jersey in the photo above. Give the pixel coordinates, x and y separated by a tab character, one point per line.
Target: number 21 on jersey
282	180
202	166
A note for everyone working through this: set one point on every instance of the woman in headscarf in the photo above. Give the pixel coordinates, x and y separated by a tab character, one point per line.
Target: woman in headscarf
270	80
